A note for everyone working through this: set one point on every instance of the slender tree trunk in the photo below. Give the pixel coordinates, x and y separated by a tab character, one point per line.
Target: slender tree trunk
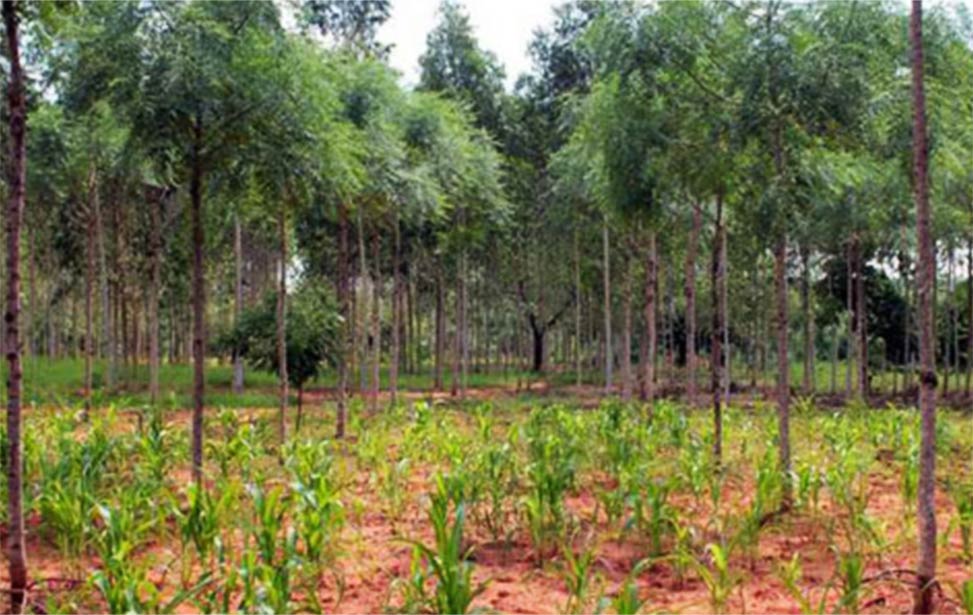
807	385
237	299
969	314
17	117
651	281
464	346
440	330
606	275
724	301
396	315
376	321
454	372
834	361
344	331
926	517
282	322
852	346
577	310
89	290
199	302
716	352
106	324
627	337
155	285
691	255
860	321
783	367
367	288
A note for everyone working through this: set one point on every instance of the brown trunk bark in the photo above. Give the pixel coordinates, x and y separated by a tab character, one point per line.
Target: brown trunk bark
17	116
376	321
691	255
926	517
783	366
199	301
155	286
282	322
345	328
651	281
237	299
716	352
577	310
969	314
440	341
627	337
396	315
808	382
860	322
606	277
89	291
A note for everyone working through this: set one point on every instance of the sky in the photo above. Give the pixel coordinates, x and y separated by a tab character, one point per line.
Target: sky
504	27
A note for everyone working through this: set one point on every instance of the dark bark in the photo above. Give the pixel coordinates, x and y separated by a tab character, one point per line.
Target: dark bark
440	332
89	291
691	255
783	367
716	353
344	331
926	511
237	299
282	322
155	286
651	281
606	276
396	315
199	300
376	321
806	308
17	116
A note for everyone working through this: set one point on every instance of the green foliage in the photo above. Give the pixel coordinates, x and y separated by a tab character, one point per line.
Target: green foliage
311	334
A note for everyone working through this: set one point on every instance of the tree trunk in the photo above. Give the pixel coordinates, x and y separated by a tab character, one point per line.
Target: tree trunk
691	254
926	517
724	298
344	331
606	275
464	346
627	337
808	382
199	301
577	310
783	367
376	321
850	299
89	290
969	314
17	116
860	321
651	281
538	357
396	315
367	287
440	342
282	322
716	352
106	324
155	285
237	299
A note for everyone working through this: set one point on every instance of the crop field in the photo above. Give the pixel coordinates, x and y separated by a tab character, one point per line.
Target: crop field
508	505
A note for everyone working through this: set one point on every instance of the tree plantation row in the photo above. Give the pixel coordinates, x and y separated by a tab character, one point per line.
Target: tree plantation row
762	203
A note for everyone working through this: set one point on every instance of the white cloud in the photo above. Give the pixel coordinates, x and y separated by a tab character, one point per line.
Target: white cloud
504	27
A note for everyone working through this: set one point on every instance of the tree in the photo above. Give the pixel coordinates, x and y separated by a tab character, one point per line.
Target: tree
926	514
312	328
16	179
